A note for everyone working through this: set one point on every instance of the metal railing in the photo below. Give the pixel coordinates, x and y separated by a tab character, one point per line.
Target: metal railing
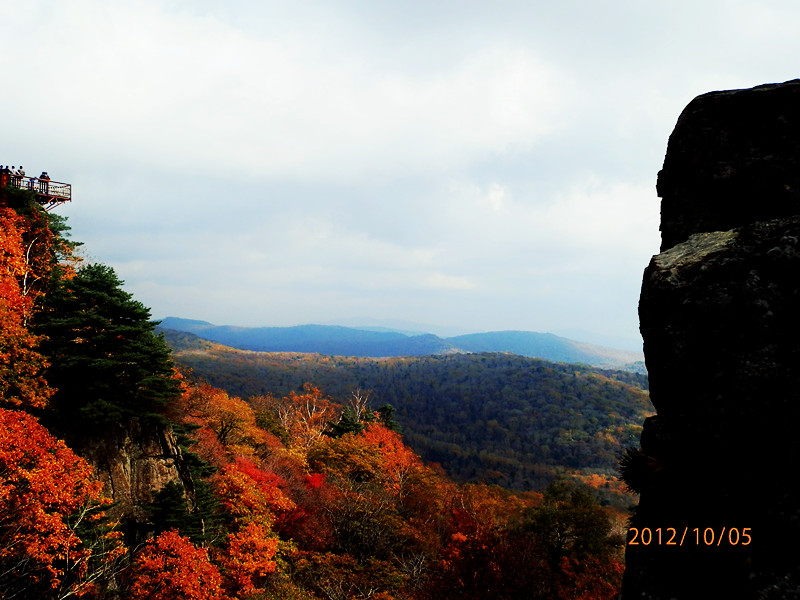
54	192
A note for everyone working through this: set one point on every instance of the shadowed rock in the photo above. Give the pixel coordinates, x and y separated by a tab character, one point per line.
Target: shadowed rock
720	319
733	158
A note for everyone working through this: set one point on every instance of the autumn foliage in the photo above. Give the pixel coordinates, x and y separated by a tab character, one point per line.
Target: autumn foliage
247	558
251	495
304	416
292	497
171	568
225	425
45	493
21	365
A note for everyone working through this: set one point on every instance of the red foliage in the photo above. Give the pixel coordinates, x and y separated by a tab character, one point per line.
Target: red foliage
21	366
250	494
207	446
397	461
265	479
227	424
42	485
247	559
315	481
172	568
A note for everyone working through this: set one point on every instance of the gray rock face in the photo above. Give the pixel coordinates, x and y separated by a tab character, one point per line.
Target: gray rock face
720	317
136	463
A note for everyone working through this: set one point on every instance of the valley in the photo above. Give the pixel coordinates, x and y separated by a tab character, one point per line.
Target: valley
500	418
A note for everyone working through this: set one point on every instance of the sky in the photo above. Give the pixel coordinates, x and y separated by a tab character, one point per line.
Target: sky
461	166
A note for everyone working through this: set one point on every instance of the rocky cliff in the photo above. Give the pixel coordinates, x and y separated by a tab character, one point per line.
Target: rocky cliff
135	462
719	513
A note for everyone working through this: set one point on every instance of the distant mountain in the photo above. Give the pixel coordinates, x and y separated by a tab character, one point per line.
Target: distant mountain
485	417
546	346
336	340
321	339
400	325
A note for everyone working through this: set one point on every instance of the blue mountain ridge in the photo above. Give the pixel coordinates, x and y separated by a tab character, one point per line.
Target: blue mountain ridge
336	340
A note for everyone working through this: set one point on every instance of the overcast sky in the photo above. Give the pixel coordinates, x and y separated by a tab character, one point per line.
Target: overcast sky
469	165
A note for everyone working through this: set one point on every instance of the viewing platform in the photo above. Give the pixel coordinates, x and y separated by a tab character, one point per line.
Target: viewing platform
49	193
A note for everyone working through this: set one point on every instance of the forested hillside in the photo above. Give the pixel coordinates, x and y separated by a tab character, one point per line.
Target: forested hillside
122	478
498	418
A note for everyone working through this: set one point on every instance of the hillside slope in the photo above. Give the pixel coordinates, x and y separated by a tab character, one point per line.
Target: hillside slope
489	417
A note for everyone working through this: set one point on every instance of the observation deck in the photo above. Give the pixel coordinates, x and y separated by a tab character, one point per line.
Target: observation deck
49	193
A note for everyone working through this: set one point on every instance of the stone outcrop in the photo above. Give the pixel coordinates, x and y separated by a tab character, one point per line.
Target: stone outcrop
135	462
720	319
733	158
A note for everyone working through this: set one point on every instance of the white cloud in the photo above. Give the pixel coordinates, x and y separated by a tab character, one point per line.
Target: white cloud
184	92
486	165
593	214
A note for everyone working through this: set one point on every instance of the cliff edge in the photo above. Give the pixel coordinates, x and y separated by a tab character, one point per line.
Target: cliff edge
719	512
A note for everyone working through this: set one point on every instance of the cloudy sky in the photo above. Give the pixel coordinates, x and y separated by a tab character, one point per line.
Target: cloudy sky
468	165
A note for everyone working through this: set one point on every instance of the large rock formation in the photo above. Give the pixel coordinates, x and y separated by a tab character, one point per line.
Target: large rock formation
134	463
733	159
720	318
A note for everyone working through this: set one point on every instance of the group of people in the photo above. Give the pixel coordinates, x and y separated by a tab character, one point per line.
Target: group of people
13	170
16	175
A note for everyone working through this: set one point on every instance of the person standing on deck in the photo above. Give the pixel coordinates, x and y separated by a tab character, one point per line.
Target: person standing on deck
44	183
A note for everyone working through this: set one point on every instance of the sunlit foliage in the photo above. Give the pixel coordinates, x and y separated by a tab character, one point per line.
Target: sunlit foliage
171	568
287	495
46	495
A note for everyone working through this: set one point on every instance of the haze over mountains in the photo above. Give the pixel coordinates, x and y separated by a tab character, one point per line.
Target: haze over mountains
488	417
368	342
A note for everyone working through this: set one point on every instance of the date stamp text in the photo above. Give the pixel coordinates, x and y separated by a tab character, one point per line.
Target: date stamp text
686	536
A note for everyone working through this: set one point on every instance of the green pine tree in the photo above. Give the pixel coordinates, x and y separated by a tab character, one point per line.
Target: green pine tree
347	423
170	510
386	414
107	363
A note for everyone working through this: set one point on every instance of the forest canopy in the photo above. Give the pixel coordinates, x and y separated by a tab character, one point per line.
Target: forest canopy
491	417
288	494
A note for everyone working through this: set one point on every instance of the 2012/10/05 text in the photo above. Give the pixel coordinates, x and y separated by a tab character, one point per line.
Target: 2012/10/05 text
697	536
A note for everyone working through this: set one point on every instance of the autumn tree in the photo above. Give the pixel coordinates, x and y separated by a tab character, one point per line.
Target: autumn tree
305	416
470	565
47	251
254	500
380	506
170	567
21	365
247	559
224	426
47	496
250	494
377	454
34	252
265	408
397	461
